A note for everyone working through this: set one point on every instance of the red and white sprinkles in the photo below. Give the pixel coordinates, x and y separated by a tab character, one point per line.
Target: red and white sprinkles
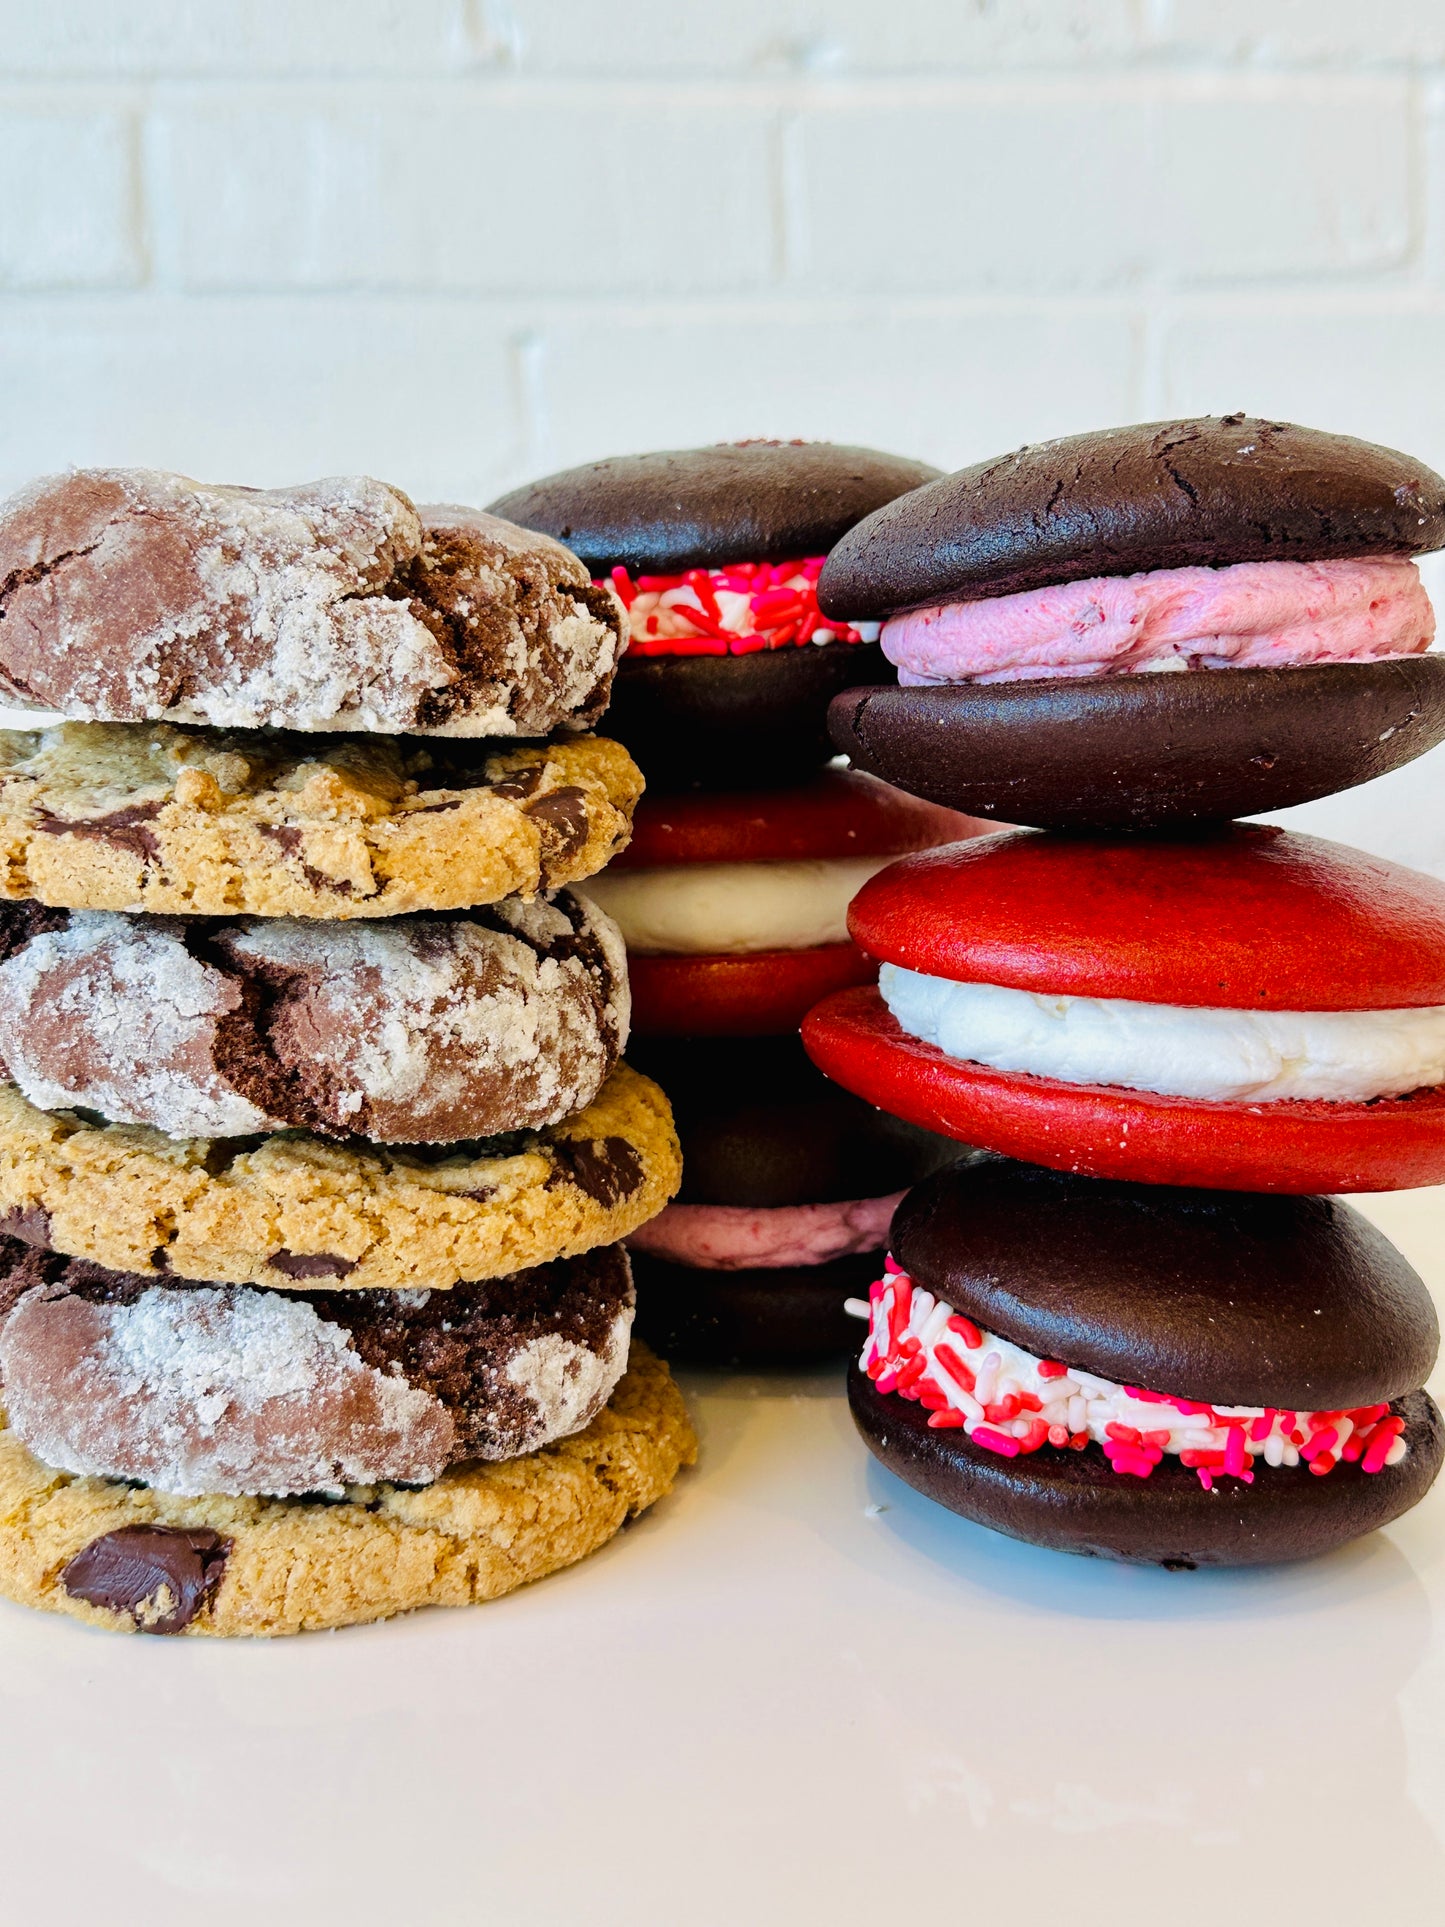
1010	1402
736	611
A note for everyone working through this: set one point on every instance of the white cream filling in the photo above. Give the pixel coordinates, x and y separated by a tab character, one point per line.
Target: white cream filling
696	909
1241	1055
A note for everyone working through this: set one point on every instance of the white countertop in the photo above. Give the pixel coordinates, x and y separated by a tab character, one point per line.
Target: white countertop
795	1692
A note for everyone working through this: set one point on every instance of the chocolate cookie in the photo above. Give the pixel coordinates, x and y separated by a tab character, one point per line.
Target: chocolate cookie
132	1559
760	1125
1142	752
1266	562
296	1211
693	508
735	722
773	1318
1075	1502
716	552
1184	1378
129	595
107	816
1155	495
417	1029
1237	1298
198	1389
790	1160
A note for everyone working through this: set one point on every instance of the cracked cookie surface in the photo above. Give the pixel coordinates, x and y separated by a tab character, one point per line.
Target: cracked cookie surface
297	1210
122	816
131	595
227	1389
132	1559
406	1030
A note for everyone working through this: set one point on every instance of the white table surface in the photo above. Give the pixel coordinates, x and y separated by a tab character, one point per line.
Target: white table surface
793	1692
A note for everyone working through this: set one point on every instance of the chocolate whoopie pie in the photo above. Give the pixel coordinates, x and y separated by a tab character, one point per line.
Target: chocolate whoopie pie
716	552
1178	1378
1026	600
1244	1008
788	1187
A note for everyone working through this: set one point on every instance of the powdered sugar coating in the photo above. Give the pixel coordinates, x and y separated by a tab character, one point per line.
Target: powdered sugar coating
134	595
211	1391
196	1389
409	1031
568	1383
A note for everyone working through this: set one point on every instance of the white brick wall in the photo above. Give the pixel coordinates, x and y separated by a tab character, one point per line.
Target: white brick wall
459	241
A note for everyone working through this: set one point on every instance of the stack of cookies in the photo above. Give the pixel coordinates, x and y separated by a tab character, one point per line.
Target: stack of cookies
316	1149
1139	1329
733	895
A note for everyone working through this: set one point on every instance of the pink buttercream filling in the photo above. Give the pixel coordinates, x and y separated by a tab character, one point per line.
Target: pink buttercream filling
734	1237
1250	615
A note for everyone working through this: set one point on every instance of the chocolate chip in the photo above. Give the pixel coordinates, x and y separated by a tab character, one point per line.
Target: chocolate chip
30	1223
310	1264
161	1575
607	1169
290	840
561	816
520	784
285	834
125	828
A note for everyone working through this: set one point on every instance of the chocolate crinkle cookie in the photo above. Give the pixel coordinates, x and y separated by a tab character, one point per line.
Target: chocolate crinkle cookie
226	1389
131	595
414	1030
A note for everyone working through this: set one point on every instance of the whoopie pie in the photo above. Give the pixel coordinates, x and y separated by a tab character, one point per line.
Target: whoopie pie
734	903
1244	1008
717	552
1030	601
789	1185
1181	1378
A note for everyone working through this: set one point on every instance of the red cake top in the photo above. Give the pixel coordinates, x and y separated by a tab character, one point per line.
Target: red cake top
841	813
1247	918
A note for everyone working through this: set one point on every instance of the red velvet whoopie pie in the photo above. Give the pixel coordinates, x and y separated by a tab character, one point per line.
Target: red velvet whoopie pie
734	902
1244	1008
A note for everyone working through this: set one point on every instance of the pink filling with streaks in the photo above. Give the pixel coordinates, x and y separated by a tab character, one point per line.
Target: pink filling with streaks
733	1237
1250	615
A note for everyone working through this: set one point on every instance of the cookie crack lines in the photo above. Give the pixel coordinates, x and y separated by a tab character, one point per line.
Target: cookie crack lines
1181	483
334	605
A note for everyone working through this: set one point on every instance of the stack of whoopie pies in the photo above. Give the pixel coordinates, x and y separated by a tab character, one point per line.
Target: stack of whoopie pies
316	1150
1136	1351
733	895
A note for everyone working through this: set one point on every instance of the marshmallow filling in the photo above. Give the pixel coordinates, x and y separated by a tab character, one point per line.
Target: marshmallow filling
738	1237
1245	615
1224	1056
732	909
1011	1403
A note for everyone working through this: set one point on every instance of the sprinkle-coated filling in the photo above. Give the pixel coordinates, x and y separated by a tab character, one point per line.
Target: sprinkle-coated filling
736	611
1010	1402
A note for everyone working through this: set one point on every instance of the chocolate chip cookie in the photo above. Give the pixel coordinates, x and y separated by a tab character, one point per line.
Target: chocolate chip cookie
136	1560
109	816
296	1210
